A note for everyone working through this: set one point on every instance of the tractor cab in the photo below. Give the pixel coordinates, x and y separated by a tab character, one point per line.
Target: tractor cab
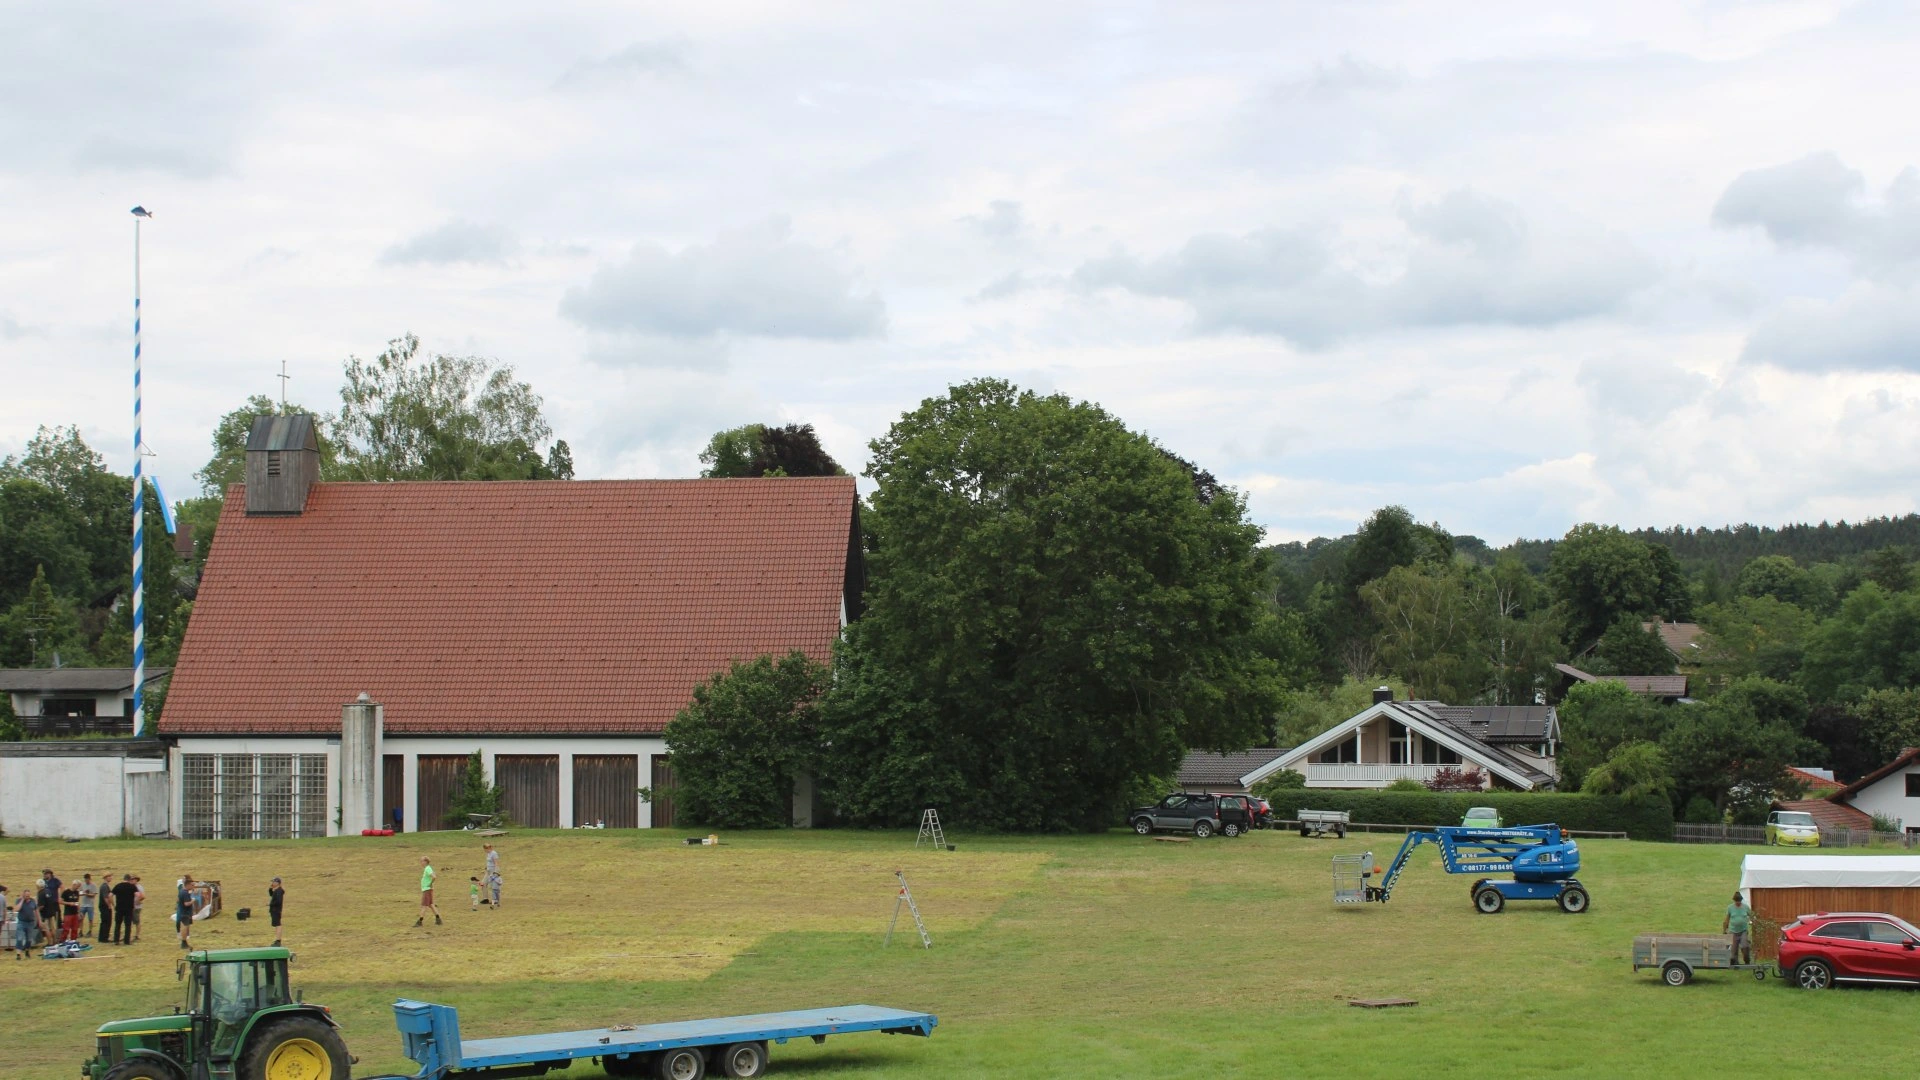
241	1022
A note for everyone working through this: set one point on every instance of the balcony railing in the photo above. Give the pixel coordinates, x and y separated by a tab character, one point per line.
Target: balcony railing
1363	775
42	727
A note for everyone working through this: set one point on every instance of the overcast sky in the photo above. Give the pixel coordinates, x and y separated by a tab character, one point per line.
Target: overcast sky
1645	263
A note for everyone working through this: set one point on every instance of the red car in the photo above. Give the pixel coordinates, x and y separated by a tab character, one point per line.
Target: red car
1849	946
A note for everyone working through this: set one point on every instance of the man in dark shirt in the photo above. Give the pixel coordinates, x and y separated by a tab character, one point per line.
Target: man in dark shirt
123	903
106	907
276	900
183	910
49	901
69	914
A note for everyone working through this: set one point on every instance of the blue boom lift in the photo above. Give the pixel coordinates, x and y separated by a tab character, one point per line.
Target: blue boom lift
1541	858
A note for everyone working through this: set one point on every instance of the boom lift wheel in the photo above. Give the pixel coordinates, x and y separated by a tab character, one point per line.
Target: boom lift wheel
743	1059
1489	901
1574	899
681	1063
1676	973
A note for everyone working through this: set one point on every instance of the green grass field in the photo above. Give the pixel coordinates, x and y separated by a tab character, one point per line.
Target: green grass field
1054	956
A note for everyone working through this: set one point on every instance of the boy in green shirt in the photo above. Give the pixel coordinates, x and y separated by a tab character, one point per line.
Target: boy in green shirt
1739	919
473	893
426	893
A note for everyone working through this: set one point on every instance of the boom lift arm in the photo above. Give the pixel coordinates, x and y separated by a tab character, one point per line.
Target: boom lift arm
1542	859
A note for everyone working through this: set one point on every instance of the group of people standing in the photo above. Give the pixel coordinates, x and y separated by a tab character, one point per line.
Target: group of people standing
54	911
491	883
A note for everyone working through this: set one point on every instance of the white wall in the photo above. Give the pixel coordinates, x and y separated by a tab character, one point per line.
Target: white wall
1889	797
71	798
411	747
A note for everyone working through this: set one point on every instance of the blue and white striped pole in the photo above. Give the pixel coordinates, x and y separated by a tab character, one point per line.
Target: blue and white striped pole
139	563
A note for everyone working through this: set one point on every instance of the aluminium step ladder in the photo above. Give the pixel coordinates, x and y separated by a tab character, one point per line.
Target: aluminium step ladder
905	896
930	830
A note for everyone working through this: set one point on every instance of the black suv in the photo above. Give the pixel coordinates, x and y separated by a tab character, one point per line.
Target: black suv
1198	812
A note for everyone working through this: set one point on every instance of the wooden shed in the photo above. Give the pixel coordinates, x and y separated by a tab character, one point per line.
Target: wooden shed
1783	887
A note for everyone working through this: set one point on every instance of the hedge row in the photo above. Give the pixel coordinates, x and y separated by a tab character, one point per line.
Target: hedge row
1598	813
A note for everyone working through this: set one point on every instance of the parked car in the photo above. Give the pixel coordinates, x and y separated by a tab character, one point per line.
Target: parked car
1481	817
1817	951
1792	828
1236	813
1183	811
1262	812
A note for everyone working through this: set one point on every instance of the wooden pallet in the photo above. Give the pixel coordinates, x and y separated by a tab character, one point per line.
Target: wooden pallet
1381	1003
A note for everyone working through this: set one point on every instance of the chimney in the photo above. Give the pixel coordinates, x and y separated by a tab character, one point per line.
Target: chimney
361	722
283	463
1382	693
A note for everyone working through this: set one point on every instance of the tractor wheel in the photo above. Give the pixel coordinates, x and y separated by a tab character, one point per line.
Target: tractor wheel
141	1069
1574	900
296	1048
1813	975
1676	973
681	1063
1489	901
1203	828
1230	830
1142	825
743	1059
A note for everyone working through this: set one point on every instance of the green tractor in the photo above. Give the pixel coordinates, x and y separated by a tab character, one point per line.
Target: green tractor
241	1022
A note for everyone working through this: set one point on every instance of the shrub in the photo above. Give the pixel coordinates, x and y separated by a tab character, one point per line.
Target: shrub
1883	823
1279	784
1701	811
473	795
739	743
1406	784
1451	779
1599	813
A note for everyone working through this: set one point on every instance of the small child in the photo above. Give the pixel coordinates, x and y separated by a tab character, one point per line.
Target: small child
473	892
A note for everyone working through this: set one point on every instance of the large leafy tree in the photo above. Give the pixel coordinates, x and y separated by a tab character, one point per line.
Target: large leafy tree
1429	631
1755	635
408	417
1734	749
1600	574
1629	647
1053	614
764	450
96	503
738	746
1598	718
1871	643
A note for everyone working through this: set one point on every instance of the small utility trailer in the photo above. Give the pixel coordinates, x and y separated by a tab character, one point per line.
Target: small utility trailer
1678	956
1324	822
683	1050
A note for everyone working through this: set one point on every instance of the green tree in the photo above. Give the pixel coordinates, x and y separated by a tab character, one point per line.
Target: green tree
1053	614
730	453
1673	595
40	534
765	450
1754	635
1635	771
1305	713
403	417
1597	718
1428	631
1281	785
1890	569
10	729
747	734
1734	749
39	626
96	501
1889	722
1871	643
1629	647
1776	576
472	794
1600	575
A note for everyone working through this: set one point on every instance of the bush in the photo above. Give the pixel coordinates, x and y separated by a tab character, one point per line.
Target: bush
1451	779
1280	785
1406	784
1883	823
473	795
1598	813
1701	811
739	743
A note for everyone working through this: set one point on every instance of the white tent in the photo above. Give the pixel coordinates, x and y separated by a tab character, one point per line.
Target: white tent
1830	872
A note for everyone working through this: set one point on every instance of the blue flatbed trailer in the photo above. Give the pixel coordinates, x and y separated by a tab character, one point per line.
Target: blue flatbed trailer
680	1050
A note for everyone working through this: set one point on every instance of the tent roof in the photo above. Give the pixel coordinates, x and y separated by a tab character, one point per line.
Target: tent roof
1830	872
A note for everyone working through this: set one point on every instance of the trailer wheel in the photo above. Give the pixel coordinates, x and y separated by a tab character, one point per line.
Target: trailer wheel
743	1059
1489	901
631	1065
1203	828
1142	825
1303	832
1340	831
1676	973
297	1048
1574	900
681	1063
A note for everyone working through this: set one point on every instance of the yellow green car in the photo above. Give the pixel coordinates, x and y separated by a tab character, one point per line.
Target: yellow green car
1792	828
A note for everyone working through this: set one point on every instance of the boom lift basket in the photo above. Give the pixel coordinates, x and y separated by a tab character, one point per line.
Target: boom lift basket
1350	876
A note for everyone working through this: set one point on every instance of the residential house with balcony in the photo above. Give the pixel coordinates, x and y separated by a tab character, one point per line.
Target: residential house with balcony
1512	746
75	700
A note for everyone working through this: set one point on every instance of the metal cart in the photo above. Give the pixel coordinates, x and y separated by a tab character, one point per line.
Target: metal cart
1678	956
1324	822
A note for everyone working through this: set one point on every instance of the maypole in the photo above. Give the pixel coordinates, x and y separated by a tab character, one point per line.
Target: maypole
139	582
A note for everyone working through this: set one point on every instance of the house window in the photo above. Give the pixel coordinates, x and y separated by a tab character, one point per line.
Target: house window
253	796
1432	753
1399	745
1913	785
1343	752
55	706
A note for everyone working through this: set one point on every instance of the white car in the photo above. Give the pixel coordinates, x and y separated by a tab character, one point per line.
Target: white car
1792	828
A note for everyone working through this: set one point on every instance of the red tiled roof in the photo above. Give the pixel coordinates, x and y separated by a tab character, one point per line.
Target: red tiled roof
549	607
1814	781
1829	815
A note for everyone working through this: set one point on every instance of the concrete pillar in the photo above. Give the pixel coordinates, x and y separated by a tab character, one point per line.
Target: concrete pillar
360	724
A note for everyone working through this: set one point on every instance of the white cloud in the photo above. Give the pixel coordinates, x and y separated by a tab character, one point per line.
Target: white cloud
453	242
1818	202
638	59
755	282
1868	328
